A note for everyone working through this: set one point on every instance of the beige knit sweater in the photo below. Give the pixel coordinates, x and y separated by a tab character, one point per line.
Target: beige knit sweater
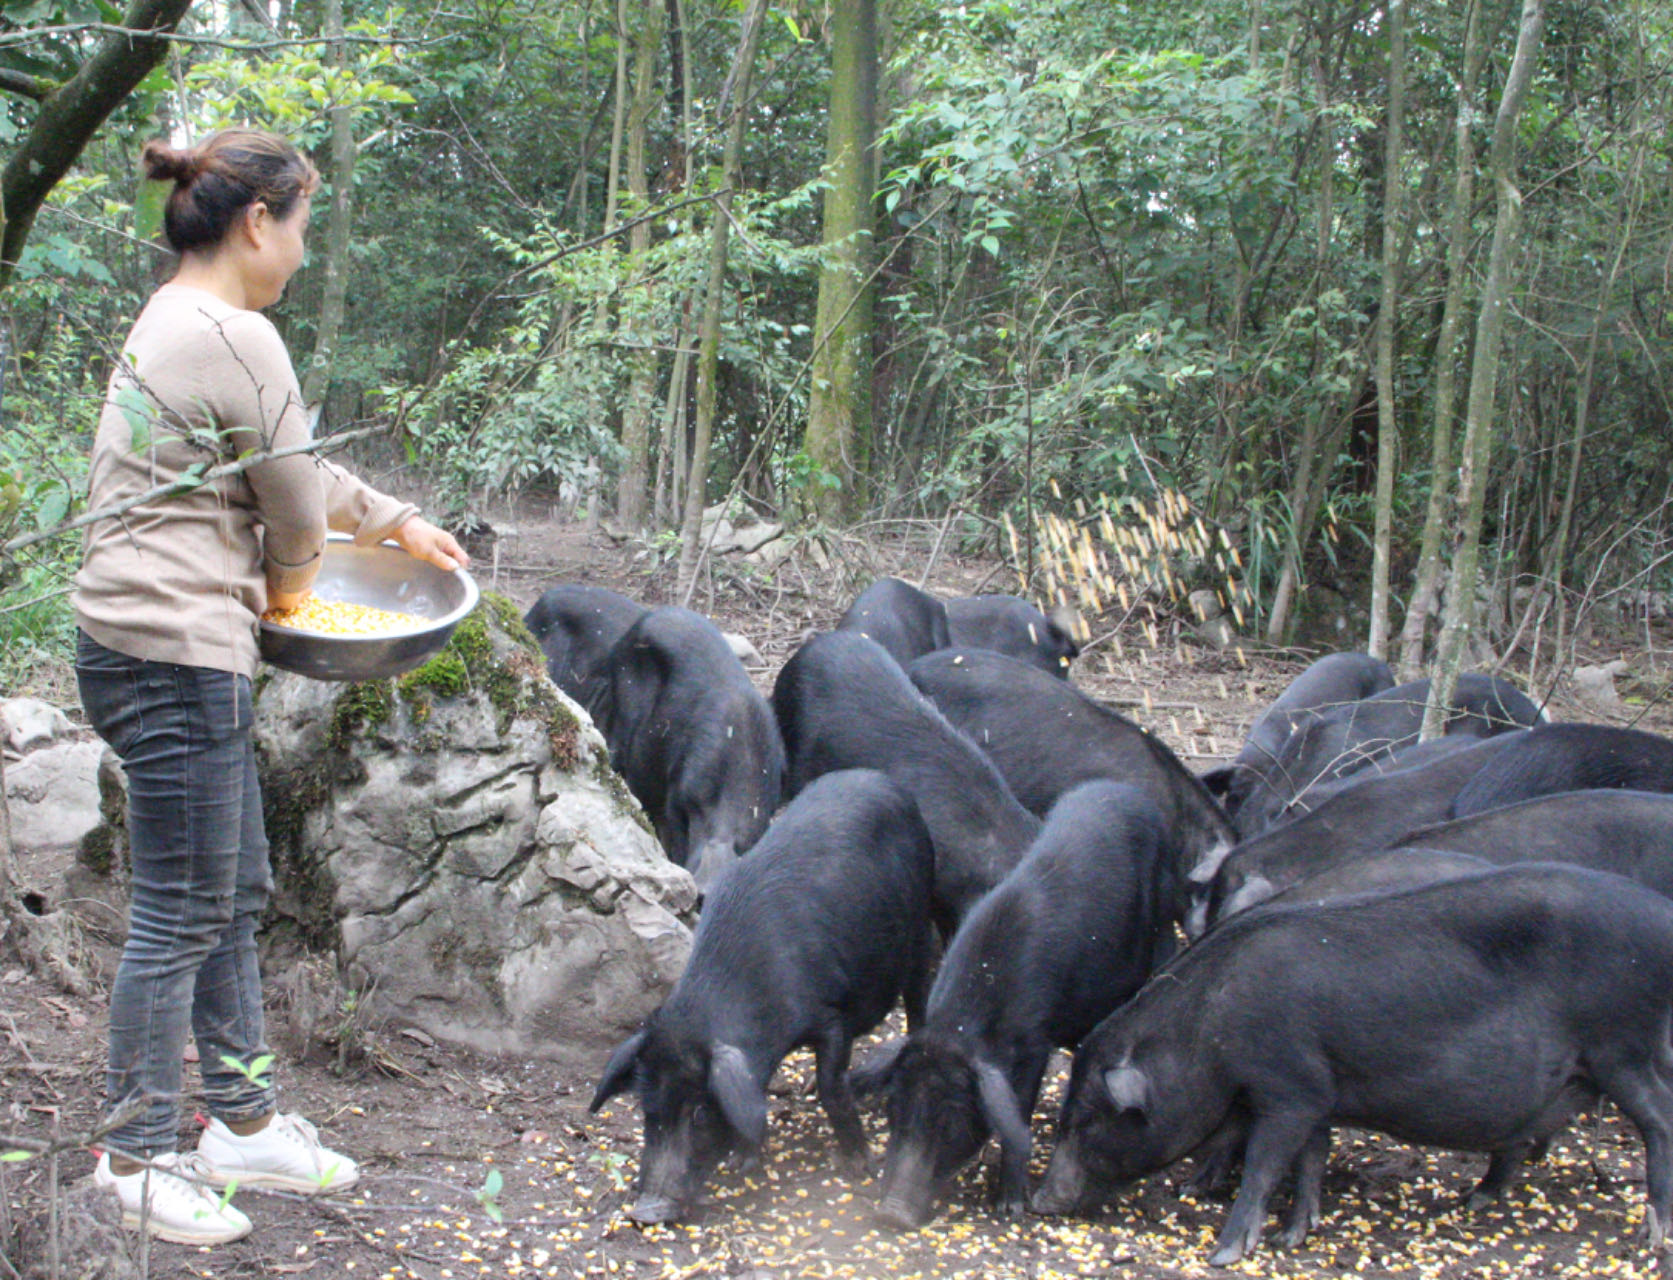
184	579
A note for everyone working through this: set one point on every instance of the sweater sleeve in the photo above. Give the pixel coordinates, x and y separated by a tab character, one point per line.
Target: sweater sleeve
353	506
258	404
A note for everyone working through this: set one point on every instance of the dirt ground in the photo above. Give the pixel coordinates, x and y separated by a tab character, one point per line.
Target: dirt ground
482	1167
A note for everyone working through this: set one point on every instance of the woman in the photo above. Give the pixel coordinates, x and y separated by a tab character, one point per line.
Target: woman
167	601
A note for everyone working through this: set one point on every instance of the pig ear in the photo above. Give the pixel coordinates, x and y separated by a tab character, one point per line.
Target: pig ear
873	1075
742	1101
1129	1088
618	1072
1218	780
999	1105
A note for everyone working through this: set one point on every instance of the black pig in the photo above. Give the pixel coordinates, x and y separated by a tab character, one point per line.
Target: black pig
1337	741
843	703
1477	1014
1570	757
1362	819
905	621
1045	737
577	626
1008	625
1069	934
807	941
691	737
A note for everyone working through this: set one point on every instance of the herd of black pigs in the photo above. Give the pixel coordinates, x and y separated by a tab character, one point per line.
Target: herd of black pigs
1460	942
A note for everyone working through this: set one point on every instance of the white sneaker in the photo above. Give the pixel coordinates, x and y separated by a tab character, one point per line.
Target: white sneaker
173	1201
286	1154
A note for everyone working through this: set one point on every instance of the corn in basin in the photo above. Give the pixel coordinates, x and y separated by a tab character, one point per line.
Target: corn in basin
338	618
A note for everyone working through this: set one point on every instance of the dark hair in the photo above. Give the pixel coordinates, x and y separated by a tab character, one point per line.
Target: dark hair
217	180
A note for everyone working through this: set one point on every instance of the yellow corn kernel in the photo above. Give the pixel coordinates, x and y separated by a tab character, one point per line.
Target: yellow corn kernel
338	618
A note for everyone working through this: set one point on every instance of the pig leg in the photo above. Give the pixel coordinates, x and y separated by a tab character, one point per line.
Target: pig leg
831	1052
920	974
1217	1159
1309	1178
1643	1093
1503	1165
1275	1139
1011	1197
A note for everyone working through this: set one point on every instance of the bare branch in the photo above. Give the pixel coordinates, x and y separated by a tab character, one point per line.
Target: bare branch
169	490
23	85
34	34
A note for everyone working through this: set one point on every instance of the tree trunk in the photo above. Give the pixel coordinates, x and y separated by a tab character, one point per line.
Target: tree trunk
667	502
1459	621
639	408
1387	430
336	290
68	119
1425	586
738	81
1309	468
1555	561
618	124
839	398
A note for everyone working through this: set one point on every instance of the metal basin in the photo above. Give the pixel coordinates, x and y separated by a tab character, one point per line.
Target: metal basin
384	577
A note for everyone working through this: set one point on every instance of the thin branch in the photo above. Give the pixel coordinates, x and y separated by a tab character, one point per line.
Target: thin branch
59	211
34	34
24	85
242	465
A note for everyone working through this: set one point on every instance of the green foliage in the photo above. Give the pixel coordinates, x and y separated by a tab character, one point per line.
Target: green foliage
293	90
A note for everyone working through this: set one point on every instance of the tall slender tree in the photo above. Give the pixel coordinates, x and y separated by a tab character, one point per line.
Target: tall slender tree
1388	439
1443	408
1459	623
734	97
317	380
639	406
839	400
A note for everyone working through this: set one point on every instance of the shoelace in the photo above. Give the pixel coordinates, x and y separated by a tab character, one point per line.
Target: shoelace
300	1131
188	1169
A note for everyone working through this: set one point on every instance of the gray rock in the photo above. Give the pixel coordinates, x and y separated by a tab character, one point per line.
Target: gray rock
479	869
1595	686
26	723
53	795
742	649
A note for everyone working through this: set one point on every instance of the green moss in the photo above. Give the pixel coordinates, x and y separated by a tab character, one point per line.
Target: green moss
446	674
511	621
97	850
364	705
508	667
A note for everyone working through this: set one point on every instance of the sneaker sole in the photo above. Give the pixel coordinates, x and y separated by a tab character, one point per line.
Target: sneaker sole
277	1182
160	1232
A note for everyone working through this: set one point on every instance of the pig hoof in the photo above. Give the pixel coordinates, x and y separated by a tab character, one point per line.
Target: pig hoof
1655	1231
897	1215
1225	1257
1010	1206
855	1165
652	1210
1230	1250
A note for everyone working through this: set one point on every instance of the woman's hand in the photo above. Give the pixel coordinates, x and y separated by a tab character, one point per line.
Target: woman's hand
287	599
417	536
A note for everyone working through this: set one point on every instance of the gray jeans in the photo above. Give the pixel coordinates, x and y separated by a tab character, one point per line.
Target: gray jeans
201	879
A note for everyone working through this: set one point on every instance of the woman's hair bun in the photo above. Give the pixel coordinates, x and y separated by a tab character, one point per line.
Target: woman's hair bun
164	163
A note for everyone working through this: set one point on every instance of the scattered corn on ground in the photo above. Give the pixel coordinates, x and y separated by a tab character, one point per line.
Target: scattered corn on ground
1389	1210
338	618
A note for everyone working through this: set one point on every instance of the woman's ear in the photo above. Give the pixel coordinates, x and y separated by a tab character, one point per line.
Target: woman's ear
255	222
